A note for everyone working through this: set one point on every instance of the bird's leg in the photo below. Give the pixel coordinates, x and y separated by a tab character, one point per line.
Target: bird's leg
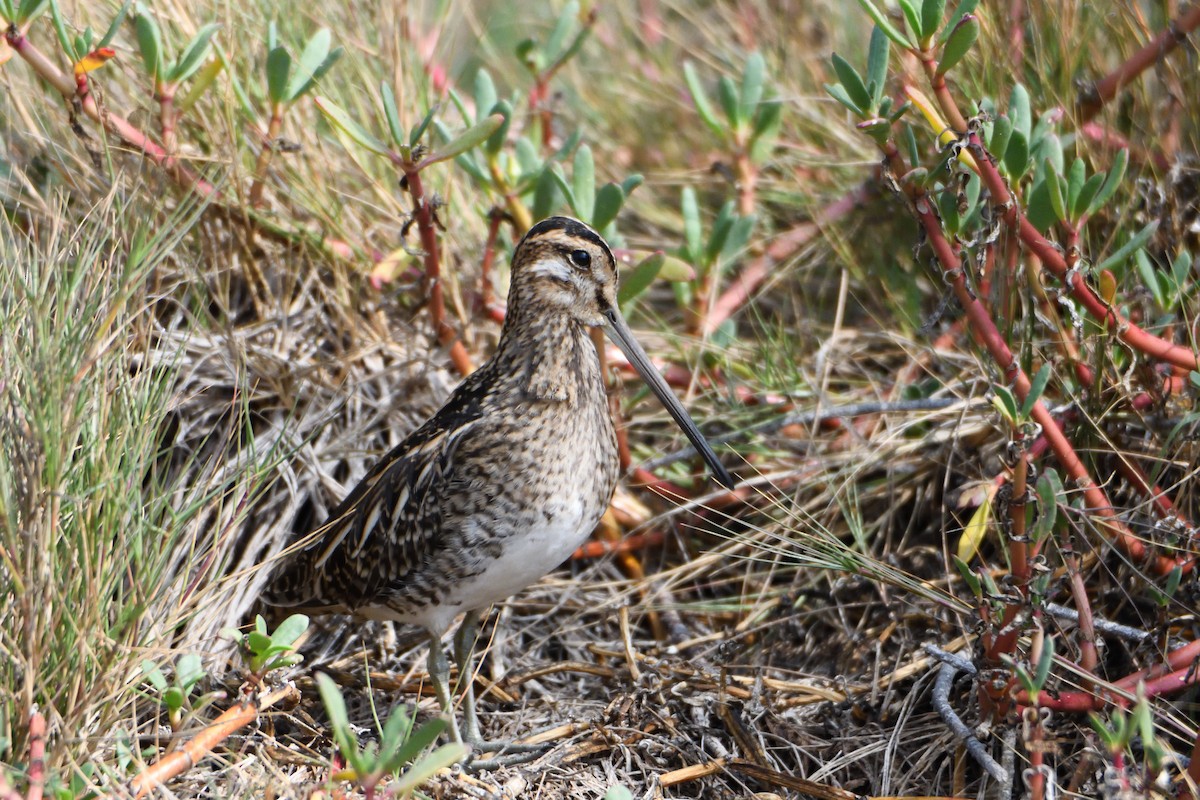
509	753
439	673
464	648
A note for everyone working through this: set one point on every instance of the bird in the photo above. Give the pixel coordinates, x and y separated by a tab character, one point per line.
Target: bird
502	483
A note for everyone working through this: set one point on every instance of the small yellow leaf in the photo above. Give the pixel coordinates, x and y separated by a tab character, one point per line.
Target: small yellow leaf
94	60
6	51
976	530
944	133
1108	286
388	268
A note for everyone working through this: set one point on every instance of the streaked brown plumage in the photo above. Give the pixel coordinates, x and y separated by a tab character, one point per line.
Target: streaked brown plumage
505	480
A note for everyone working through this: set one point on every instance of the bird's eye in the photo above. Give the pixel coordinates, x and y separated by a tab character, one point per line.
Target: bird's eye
581	258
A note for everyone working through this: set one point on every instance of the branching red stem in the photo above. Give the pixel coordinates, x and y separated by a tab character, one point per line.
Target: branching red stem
426	228
1094	99
113	123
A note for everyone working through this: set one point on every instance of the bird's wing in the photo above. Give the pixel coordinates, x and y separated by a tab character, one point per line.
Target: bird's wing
385	528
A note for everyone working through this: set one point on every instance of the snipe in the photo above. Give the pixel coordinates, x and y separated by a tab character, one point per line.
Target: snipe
504	482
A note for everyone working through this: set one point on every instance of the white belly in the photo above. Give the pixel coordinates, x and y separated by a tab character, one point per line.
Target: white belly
525	557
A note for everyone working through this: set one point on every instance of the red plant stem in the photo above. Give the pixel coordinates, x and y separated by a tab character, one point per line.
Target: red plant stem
1006	640
113	123
37	756
1178	673
1096	96
629	544
937	82
747	180
166	118
1019	547
1125	330
1178	658
487	292
264	156
989	337
781	249
423	212
1088	658
1035	743
1193	774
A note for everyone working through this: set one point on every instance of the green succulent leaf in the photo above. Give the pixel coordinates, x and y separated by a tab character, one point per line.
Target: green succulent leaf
279	66
700	99
961	40
189	670
969	577
472	137
1039	208
852	82
721	227
932	12
1122	253
631	183
484	93
1018	111
1016	155
767	123
1054	185
887	27
1076	177
583	177
391	114
29	10
690	209
1042	674
150	44
73	47
912	15
545	193
948	209
567	21
609	200
290	630
839	93
193	54
418	132
752	86
496	141
961	10
154	675
639	278
415	742
1037	387
1047	488
420	772
312	60
728	93
1112	182
348	125
1087	194
877	63
1006	403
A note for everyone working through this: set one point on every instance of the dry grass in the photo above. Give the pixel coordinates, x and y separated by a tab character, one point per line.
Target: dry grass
183	391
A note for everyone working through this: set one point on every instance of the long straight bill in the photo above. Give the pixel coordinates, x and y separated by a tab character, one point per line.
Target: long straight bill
619	332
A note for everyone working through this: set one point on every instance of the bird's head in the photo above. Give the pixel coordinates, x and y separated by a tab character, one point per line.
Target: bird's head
563	266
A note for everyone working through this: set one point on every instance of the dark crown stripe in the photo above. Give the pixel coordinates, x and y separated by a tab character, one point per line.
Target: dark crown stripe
572	227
